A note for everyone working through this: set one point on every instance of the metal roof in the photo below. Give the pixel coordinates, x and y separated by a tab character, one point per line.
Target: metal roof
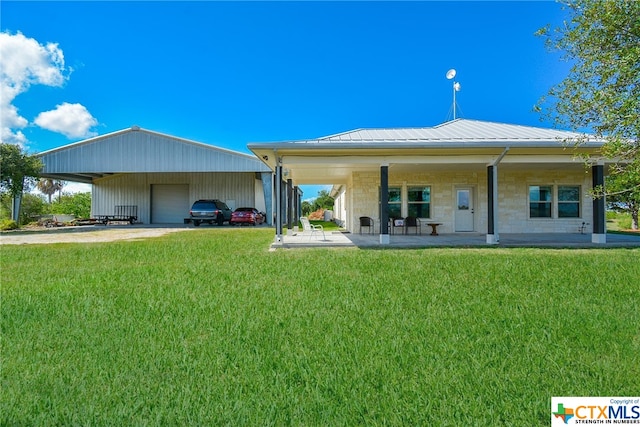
458	130
137	150
464	131
462	142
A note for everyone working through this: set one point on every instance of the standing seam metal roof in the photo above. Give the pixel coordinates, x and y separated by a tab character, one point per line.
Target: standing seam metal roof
138	150
456	130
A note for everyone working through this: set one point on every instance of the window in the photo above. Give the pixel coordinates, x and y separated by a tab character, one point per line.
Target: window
540	198
419	202
395	202
568	201
409	201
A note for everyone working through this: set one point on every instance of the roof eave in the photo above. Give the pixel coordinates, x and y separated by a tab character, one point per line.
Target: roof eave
323	145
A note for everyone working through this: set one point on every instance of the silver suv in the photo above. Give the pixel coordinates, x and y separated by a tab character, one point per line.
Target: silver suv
209	211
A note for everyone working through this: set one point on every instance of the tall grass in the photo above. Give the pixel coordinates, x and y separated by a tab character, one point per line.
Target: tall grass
209	328
617	221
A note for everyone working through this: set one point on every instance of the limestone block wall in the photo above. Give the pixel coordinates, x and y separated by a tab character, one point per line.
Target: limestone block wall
513	188
513	198
443	185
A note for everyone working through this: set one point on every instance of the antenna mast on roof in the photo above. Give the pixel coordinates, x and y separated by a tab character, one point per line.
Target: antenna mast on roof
456	88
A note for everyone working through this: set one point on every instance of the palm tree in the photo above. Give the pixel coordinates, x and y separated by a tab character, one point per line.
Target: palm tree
49	186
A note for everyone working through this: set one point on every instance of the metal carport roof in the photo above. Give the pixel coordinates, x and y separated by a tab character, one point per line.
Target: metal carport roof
137	150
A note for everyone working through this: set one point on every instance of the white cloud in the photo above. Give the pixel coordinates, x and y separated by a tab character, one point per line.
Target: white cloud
77	187
71	120
26	62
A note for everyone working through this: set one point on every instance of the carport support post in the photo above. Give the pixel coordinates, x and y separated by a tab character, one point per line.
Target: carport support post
267	189
16	201
384	204
278	219
599	235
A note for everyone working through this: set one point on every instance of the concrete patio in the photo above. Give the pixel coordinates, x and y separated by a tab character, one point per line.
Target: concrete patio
538	240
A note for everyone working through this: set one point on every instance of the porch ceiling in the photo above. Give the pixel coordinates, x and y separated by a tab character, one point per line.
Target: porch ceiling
306	170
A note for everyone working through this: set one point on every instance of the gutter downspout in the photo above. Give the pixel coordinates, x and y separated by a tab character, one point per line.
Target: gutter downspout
493	237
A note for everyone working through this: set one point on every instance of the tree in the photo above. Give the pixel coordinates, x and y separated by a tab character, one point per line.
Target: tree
306	208
601	94
620	198
78	205
323	201
18	170
49	187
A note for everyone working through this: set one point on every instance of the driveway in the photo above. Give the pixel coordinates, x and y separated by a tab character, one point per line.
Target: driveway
84	234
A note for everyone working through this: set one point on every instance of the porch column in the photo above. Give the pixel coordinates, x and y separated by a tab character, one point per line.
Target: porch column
599	219
492	205
289	205
384	204
298	202
278	216
493	238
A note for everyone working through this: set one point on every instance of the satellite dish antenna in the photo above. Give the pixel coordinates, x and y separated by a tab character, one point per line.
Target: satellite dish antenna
456	88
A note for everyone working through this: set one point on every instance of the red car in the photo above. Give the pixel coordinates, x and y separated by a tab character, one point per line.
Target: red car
246	216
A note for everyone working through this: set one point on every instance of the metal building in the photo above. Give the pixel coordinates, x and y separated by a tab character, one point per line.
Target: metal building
160	174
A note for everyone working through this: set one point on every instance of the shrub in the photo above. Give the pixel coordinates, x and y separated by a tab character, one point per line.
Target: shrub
8	224
624	222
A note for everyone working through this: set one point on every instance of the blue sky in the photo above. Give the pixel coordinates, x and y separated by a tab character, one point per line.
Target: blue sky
230	73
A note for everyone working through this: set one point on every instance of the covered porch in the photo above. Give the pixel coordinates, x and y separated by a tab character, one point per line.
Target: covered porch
467	176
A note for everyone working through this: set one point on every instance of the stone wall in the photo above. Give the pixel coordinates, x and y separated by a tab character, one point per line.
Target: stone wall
513	198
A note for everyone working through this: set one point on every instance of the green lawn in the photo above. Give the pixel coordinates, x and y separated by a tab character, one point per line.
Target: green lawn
207	327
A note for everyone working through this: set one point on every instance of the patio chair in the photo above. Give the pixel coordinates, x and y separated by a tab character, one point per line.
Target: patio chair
312	229
367	221
395	223
412	221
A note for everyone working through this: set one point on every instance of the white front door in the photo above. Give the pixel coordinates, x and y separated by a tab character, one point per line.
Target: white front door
464	209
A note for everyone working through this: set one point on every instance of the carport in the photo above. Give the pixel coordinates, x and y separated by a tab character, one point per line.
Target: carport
160	175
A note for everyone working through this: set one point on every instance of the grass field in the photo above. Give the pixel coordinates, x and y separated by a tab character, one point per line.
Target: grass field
209	328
